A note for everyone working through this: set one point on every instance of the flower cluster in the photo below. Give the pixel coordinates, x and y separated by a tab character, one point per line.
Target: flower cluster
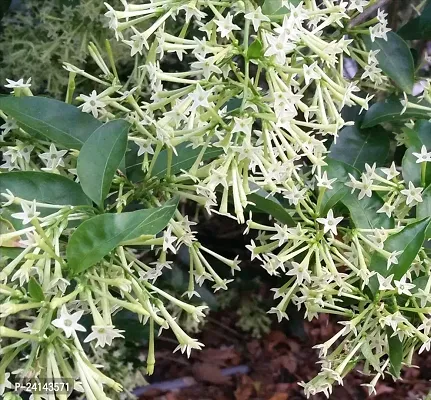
37	37
254	122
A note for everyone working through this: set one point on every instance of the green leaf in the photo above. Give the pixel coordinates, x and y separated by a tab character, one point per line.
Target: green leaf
390	111
358	147
362	212
395	59
183	161
270	7
269	204
423	210
395	353
96	237
411	170
10	252
255	50
370	356
44	188
100	157
35	290
420	135
410	241
338	170
60	122
419	27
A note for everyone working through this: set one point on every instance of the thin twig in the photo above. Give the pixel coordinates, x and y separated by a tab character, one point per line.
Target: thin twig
393	14
368	12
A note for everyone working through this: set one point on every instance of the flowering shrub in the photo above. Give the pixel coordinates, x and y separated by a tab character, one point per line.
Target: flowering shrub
257	122
38	36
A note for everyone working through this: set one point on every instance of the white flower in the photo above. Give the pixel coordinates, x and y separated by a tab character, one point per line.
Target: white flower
187	347
29	212
69	322
256	17
91	104
403	287
279	46
53	158
104	334
300	272
387	209
169	240
200	97
243	125
358	5
423	156
392	259
323	181
391	172
385	283
226	26
8	126
18	84
330	223
6	383
413	194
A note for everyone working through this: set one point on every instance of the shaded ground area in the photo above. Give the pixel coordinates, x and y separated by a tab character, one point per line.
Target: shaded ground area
275	364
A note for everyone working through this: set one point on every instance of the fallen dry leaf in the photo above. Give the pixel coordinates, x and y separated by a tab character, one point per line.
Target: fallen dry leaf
280	396
245	389
210	373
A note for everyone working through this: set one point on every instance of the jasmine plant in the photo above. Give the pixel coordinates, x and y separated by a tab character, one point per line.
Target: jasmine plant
257	121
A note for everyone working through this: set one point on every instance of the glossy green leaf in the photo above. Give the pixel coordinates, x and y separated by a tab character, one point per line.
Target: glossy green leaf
255	50
423	210
395	353
35	290
232	104
420	134
390	110
100	157
44	187
395	59
358	147
96	237
410	241
339	170
364	212
269	204
183	161
62	123
411	170
419	27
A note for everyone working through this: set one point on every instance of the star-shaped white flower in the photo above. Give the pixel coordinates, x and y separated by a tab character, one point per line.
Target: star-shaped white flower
323	181
385	283
330	223
18	84
403	287
69	322
29	212
256	17
104	334
226	26
423	156
413	194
